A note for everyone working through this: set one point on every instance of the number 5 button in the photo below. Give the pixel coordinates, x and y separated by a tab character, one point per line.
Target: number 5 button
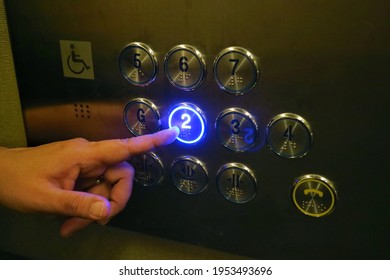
236	129
190	120
138	64
185	67
236	71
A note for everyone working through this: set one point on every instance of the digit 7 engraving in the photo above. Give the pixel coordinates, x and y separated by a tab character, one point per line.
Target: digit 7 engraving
235	64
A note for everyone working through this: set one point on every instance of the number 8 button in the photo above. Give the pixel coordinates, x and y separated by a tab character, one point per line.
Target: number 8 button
185	67
236	129
236	71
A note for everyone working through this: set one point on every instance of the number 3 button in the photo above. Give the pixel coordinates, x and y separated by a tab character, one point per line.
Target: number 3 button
191	121
236	129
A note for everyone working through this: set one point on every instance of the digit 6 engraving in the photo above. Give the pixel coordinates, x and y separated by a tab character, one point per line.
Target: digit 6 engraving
183	65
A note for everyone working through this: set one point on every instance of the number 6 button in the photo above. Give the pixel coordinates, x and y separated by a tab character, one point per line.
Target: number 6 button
236	129
236	71
190	120
185	67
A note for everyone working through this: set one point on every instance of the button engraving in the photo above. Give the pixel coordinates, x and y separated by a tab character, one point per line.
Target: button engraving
236	70
236	129
148	169
142	117
314	195
289	135
185	67
138	64
189	175
236	183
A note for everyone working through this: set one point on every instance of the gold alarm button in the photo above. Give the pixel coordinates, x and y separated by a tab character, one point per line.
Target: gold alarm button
314	195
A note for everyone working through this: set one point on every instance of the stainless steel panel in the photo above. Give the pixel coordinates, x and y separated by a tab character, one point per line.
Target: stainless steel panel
327	61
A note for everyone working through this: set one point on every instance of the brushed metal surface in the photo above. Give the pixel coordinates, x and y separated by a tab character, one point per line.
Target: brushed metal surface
327	61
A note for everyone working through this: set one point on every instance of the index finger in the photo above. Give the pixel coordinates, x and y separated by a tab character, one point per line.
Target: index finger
118	150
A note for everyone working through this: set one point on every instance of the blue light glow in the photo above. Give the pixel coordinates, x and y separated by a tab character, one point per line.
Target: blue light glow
190	121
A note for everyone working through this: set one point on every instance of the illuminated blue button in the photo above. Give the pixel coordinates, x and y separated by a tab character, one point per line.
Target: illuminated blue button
191	122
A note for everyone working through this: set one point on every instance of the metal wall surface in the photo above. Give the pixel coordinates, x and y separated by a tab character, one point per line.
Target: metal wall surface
326	61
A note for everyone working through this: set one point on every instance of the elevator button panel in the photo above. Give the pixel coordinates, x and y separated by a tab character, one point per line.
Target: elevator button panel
138	64
236	129
236	70
248	91
191	121
189	175
185	67
142	117
289	135
149	170
314	195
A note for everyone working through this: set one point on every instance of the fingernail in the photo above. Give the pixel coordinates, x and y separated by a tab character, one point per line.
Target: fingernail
177	129
97	210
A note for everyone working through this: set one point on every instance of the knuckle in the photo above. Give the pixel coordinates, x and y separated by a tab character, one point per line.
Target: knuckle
73	204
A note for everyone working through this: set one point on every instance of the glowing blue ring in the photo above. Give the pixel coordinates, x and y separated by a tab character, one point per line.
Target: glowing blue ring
195	110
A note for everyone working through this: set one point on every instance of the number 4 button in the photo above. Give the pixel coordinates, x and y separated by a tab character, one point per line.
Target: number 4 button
289	135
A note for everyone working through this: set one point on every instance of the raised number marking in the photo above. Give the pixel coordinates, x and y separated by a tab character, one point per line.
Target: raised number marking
141	115
187	119
183	64
235	64
235	126
288	133
137	61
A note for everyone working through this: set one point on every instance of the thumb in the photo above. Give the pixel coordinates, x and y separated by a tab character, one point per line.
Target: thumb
82	205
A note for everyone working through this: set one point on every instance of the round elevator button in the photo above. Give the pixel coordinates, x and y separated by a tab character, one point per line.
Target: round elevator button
190	120
314	195
236	183
236	70
138	64
185	67
236	129
149	170
289	135
141	117
189	175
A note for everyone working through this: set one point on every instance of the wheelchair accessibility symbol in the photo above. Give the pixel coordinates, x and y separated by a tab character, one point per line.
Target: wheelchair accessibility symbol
77	59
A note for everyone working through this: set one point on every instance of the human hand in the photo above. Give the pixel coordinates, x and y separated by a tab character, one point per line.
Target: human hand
87	181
